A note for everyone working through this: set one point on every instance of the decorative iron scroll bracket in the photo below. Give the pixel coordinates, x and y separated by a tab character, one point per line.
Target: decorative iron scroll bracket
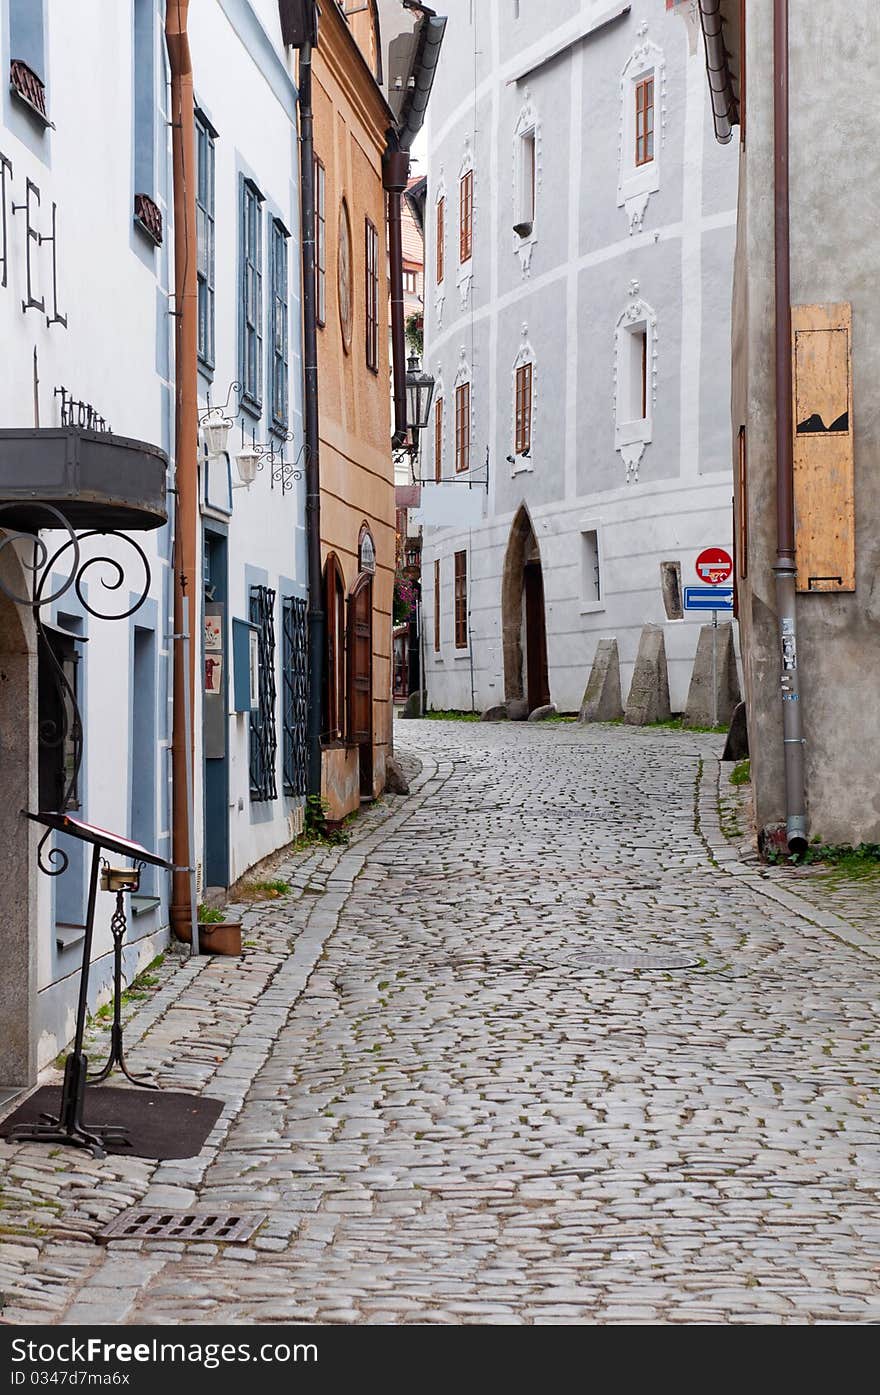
111	576
5	164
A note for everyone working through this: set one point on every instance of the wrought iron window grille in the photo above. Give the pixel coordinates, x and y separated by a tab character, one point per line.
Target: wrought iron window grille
295	695
263	737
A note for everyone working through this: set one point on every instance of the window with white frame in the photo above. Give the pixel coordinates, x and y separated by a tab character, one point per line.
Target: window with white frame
635	375
642	90
591	572
526	177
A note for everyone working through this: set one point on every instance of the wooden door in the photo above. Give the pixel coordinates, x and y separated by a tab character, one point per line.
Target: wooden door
360	662
537	681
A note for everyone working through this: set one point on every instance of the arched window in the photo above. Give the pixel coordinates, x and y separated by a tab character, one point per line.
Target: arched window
334	664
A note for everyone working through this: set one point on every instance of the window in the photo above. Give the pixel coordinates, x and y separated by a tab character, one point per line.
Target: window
334	671
411	282
263	743
466	217
461	628
278	327
462	427
436	605
438	440
371	286
59	724
27	52
523	429
645	120
320	242
205	135
441	237
634	374
525	191
295	690
591	581
251	374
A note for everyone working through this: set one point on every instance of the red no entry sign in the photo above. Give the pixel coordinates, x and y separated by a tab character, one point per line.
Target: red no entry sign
714	566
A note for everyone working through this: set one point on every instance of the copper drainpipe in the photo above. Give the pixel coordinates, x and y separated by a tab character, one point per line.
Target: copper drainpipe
786	567
185	449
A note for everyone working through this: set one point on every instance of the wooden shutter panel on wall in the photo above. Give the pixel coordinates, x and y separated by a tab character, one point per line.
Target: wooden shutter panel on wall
360	663
824	484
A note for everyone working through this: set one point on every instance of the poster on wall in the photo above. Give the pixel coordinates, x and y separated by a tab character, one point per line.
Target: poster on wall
213	673
213	632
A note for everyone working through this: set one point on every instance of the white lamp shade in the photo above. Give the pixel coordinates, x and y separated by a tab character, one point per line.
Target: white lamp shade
215	430
247	461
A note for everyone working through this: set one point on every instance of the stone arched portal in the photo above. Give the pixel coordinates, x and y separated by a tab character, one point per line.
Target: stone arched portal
523	625
18	773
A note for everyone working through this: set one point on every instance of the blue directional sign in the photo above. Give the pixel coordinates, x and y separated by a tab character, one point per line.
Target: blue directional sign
708	598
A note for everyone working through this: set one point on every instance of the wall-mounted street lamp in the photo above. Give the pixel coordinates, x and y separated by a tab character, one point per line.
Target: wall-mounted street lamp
419	393
215	423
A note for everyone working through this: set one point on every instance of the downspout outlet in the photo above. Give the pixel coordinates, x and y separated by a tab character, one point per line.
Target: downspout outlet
796	833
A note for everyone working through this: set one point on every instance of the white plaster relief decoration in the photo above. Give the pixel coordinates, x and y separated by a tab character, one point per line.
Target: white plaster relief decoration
527	181
689	10
440	286
466	269
635	381
636	183
526	355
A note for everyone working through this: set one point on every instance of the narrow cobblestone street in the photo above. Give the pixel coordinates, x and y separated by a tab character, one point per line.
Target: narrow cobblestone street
453	1111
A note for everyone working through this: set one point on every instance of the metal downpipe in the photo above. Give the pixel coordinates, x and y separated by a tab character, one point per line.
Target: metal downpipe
796	826
317	619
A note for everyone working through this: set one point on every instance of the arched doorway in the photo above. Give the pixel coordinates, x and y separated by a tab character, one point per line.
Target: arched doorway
18	772
524	633
360	677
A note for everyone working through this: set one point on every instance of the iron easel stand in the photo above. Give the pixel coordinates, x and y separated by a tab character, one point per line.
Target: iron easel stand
117	1055
69	1128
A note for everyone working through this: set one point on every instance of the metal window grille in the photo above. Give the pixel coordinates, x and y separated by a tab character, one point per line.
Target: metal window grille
295	693
278	328
320	243
251	295
205	211
264	742
371	252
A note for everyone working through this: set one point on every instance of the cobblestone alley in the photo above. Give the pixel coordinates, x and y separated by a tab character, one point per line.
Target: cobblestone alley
456	1103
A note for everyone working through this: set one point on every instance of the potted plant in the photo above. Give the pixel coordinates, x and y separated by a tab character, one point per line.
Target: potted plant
219	932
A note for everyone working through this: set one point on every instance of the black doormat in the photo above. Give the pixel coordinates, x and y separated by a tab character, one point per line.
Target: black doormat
161	1124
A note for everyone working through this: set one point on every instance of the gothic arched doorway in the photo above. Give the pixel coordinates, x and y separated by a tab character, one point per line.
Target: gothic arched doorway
524	633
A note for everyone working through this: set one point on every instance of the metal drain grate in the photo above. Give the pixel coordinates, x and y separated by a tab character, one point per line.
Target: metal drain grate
229	1227
610	959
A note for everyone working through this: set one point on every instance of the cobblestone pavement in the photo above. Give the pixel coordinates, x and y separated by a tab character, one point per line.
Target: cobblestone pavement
454	1109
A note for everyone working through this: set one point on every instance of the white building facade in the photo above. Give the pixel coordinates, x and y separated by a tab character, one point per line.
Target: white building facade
87	322
579	245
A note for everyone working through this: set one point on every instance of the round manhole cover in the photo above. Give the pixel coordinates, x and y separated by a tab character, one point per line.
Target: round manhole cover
632	960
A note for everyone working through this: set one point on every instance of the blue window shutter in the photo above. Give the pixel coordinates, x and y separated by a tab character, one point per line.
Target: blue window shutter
241	665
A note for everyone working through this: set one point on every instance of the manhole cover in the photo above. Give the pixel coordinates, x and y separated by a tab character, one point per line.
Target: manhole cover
230	1227
646	960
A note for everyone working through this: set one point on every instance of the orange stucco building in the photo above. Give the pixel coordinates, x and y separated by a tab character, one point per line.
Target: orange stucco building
351	124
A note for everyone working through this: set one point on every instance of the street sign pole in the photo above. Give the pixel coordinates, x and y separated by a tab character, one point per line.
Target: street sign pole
714	668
